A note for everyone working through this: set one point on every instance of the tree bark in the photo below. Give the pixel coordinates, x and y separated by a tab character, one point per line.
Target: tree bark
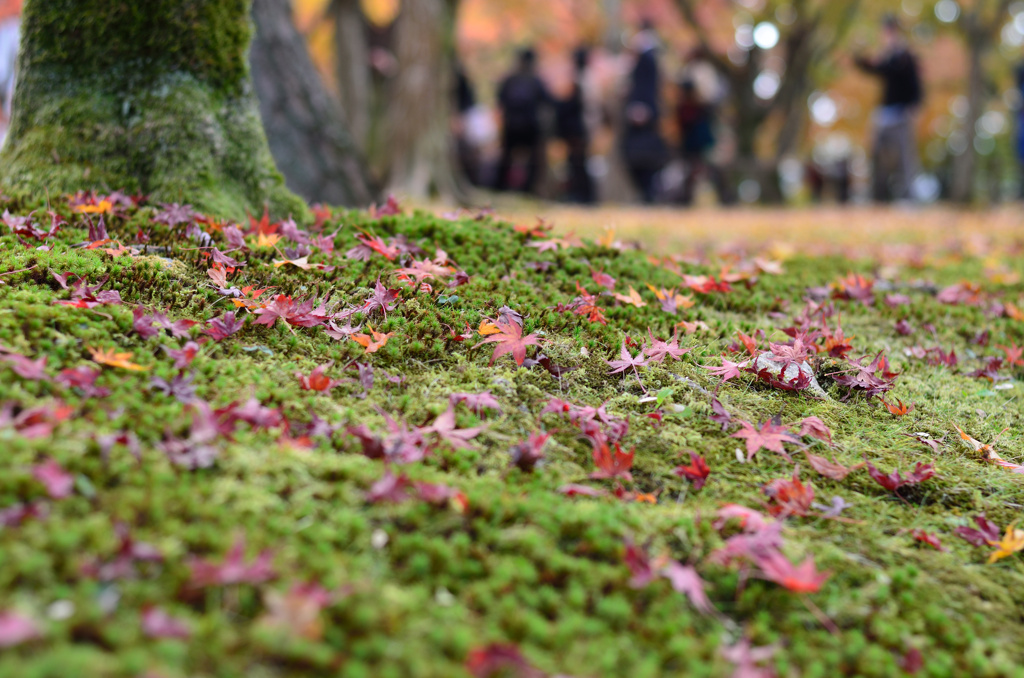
305	126
152	97
962	184
420	153
352	67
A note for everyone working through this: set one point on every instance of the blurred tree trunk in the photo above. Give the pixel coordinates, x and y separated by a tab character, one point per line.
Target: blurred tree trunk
305	126
420	153
808	43
352	67
980	31
155	99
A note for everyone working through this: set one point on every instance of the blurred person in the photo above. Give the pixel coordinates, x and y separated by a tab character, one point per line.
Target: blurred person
695	120
10	28
574	127
1019	76
643	147
521	97
902	93
465	104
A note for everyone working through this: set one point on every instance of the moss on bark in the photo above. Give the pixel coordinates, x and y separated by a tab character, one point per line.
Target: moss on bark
154	97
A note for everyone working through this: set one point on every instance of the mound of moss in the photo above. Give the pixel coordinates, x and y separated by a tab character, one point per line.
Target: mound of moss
122	497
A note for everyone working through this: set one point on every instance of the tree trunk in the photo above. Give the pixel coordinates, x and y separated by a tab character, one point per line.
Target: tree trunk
352	67
152	97
962	185
418	128
305	126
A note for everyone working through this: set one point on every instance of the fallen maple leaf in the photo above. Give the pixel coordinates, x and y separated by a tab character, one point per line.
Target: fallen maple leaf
894	409
697	471
816	428
986	533
728	370
446	429
574	489
626	361
373	343
802	578
612	464
317	380
791	496
894	481
633	298
990	452
510	339
58	482
830	469
770	436
156	623
928	538
500	659
234	569
16	629
113	359
1012	542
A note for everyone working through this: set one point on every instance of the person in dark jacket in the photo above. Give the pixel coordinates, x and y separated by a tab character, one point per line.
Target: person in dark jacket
643	147
572	128
521	97
697	138
902	92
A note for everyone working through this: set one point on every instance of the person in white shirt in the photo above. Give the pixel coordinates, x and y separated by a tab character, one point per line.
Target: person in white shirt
9	36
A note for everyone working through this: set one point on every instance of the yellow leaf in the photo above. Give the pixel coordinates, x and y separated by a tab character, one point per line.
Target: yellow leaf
102	208
113	359
658	293
487	327
1013	541
267	239
608	238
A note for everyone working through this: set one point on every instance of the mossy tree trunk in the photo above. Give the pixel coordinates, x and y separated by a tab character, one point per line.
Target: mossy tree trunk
305	125
154	97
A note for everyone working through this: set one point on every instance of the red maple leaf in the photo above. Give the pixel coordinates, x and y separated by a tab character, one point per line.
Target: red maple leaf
802	578
697	471
446	429
317	380
509	339
895	481
928	538
770	437
986	533
293	311
791	496
381	299
234	569
223	327
612	464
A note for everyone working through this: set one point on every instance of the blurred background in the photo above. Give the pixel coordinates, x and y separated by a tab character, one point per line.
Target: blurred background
672	102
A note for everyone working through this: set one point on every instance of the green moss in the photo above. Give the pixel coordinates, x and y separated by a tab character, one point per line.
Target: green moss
161	105
522	563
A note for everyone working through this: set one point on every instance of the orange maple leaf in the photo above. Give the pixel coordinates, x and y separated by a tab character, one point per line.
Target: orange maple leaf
374	343
113	359
633	298
103	207
894	409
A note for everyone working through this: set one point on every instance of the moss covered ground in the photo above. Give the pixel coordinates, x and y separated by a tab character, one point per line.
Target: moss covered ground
111	563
